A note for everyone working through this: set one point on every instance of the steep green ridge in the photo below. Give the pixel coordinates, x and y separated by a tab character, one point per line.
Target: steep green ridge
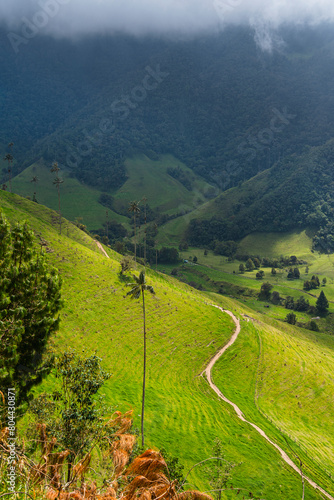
277	244
225	110
79	200
295	193
150	178
184	332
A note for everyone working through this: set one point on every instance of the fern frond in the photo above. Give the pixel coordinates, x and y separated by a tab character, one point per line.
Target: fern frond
81	467
146	495
120	459
150	462
127	442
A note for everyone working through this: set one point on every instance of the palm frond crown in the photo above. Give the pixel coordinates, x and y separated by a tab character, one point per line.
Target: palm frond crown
138	286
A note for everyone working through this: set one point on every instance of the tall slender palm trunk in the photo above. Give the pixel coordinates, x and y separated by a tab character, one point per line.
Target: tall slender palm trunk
10	175
144	375
134	217
59	210
145	234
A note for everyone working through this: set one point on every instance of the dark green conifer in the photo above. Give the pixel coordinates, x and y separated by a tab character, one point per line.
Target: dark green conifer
322	303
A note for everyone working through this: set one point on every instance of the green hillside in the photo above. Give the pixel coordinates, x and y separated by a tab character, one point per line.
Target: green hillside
277	244
184	330
150	178
295	193
143	176
77	200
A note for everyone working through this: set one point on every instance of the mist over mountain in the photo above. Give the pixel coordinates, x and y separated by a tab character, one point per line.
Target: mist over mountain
168	17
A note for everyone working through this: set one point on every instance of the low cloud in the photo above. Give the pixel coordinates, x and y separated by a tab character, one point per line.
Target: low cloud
162	17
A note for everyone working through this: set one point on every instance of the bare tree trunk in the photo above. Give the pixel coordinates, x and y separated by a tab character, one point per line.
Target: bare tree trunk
10	176
145	239
69	469
144	375
59	210
134	216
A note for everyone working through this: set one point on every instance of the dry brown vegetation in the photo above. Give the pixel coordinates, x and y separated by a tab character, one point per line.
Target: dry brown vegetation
144	478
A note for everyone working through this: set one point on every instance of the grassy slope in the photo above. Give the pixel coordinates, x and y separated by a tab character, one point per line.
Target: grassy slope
273	362
79	200
173	230
246	287
184	332
277	244
270	245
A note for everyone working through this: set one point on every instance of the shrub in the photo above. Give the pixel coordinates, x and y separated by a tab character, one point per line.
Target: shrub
291	318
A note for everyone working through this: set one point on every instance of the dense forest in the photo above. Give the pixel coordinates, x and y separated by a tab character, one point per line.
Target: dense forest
218	103
295	192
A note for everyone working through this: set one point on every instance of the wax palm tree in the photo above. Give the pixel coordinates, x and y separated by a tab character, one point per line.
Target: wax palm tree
138	288
57	181
145	231
134	208
156	248
10	159
35	179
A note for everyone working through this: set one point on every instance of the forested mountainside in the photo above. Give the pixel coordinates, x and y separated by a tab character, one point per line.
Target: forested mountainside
219	104
296	192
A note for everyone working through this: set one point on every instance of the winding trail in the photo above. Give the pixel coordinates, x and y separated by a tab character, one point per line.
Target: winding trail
101	248
207	372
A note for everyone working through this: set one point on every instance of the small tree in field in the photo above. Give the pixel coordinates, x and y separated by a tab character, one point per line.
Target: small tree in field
275	298
291	318
73	413
257	263
126	264
219	470
265	292
250	265
322	303
139	287
296	273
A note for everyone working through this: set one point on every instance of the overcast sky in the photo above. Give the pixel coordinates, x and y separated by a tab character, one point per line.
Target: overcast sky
77	17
